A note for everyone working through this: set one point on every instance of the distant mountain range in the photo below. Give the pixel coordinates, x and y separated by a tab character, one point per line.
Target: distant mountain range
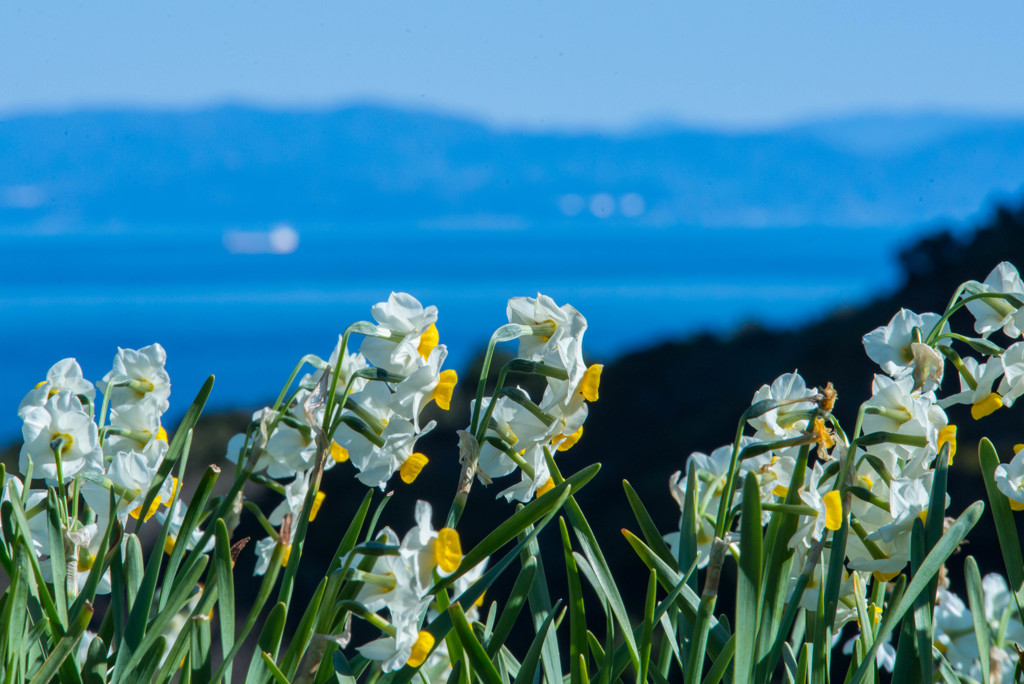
235	165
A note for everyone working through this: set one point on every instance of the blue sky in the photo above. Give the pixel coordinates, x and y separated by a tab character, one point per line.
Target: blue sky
556	63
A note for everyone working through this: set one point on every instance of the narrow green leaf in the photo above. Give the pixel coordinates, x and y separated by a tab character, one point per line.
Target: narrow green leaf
517	523
577	616
1006	528
688	602
223	574
351	536
976	601
134	570
528	669
275	671
58	564
721	662
482	665
200	648
513	606
64	648
189	523
95	669
748	581
648	625
303	633
592	551
652	536
270	639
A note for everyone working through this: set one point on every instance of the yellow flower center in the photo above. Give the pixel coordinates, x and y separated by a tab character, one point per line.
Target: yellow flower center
169	545
161	434
1016	505
566	442
428	340
447	550
317	501
412	467
338	453
591	382
780	491
986	406
286	555
67	441
421	649
546	487
442	393
833	510
948	434
884	576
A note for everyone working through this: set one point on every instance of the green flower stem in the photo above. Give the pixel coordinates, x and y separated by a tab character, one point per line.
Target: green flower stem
481	387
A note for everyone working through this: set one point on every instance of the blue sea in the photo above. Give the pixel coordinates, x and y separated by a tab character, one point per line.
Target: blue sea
248	317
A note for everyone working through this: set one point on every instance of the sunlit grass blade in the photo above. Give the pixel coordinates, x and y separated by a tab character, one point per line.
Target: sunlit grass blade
577	616
517	523
193	514
513	606
223	569
274	670
58	565
976	601
647	632
270	639
652	536
528	668
687	601
303	633
1006	528
482	665
748	580
592	551
64	648
721	662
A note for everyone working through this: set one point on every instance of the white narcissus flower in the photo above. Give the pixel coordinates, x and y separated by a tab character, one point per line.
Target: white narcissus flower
982	399
908	499
289	451
65	375
894	408
426	550
62	423
994	313
409	645
134	426
425	384
827	504
1009	478
135	472
350	363
1011	387
402	316
564	347
783	422
294	498
890	345
144	370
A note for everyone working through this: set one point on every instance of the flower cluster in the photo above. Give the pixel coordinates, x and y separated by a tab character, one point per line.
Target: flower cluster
877	480
515	431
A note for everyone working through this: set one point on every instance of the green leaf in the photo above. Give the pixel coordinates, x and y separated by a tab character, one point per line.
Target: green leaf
193	513
577	616
482	665
64	647
922	578
648	626
652	536
976	601
270	639
592	551
748	581
275	671
688	602
513	606
1006	528
721	662
58	564
351	536
517	523
528	669
95	669
303	633
223	575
